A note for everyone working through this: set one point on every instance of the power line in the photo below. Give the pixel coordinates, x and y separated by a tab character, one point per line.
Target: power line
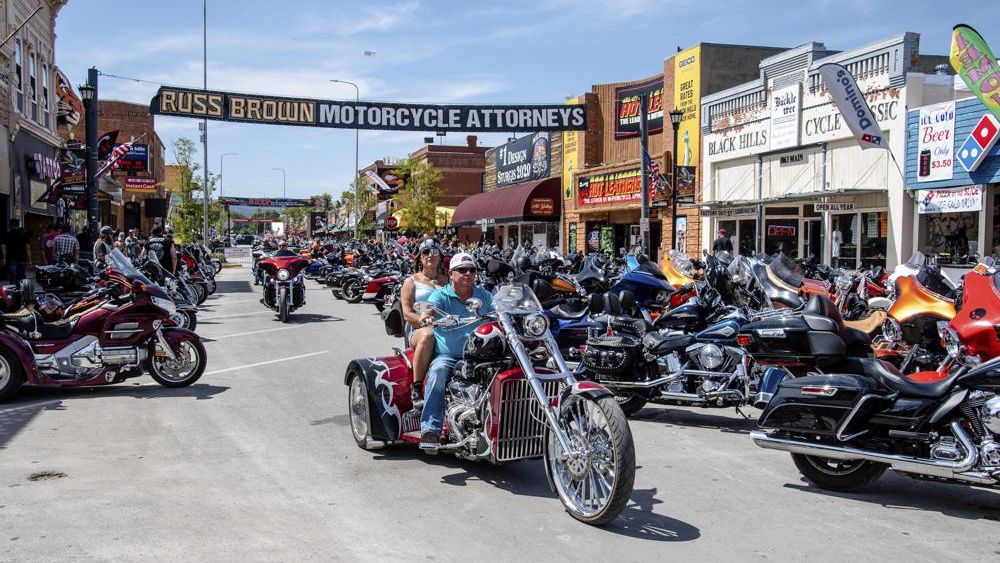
130	78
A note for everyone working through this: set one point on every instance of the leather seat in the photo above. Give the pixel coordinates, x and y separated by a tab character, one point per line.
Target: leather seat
664	343
564	315
58	330
887	374
28	321
868	325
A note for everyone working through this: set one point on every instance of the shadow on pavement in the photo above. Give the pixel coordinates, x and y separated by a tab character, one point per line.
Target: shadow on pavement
638	520
903	493
303	318
232	287
17	413
697	418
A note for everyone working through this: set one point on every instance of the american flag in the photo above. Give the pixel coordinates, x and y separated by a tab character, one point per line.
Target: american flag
112	162
657	181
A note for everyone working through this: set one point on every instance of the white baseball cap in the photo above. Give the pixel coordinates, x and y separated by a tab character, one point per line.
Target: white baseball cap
463	260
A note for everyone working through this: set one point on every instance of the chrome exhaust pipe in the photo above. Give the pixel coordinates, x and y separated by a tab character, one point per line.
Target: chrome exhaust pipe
641	384
934	468
693	398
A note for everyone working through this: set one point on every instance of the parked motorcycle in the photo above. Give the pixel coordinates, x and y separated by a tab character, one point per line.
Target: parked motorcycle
502	407
102	345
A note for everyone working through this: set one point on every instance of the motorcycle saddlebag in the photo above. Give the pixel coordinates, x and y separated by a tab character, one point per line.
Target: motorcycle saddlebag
829	405
779	341
392	317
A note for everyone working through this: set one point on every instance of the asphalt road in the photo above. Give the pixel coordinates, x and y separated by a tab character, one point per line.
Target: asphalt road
255	462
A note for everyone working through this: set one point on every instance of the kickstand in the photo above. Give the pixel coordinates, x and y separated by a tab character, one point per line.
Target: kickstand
743	414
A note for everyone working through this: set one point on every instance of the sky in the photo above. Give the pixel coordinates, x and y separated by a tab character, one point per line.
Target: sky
433	51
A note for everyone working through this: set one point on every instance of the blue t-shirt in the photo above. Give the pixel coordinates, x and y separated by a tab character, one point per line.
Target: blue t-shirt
451	342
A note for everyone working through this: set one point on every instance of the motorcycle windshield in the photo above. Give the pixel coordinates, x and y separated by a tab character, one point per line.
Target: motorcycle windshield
682	263
118	261
516	299
916	261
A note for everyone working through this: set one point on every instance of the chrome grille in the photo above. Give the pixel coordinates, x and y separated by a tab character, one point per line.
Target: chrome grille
522	422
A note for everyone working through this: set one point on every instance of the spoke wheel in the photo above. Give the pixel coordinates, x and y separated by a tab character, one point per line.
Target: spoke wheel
182	371
594	479
838	474
357	406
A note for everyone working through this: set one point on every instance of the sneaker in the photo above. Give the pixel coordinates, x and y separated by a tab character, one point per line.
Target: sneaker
429	441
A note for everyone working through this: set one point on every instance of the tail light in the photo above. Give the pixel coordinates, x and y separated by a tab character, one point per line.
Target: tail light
744	339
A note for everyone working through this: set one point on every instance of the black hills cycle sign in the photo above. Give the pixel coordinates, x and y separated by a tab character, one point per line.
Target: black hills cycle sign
388	116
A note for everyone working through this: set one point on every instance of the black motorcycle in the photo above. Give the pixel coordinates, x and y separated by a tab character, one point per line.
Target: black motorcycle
845	426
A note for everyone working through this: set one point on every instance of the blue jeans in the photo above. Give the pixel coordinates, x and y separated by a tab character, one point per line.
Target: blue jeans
438	374
15	272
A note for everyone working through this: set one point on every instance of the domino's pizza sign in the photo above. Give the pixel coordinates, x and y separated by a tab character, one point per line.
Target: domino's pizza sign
973	151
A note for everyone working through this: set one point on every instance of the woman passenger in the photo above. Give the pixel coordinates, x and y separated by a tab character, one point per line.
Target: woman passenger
427	278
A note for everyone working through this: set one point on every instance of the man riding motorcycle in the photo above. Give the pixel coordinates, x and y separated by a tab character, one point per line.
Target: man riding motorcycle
283	250
449	344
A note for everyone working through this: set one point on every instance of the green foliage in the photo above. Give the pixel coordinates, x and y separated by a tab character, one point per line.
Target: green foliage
186	217
419	190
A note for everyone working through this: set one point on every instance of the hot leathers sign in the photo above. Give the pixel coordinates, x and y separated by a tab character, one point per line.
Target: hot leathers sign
523	159
604	189
255	108
627	108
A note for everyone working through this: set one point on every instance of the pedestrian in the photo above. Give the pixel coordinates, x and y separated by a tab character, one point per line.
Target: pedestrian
120	242
104	244
163	248
16	252
723	243
132	243
51	232
65	245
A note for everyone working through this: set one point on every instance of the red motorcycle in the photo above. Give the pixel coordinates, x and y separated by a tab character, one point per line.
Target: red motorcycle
284	284
123	338
501	405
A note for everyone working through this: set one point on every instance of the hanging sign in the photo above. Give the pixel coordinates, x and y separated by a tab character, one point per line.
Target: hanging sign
615	187
974	150
785	105
523	160
851	103
820	207
729	212
628	111
385	116
266	202
936	142
956	200
140	185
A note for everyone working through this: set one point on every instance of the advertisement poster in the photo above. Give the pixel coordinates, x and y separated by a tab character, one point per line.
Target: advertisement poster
687	96
936	142
685	184
523	160
957	200
140	185
628	111
784	106
571	159
608	240
973	60
616	187
317	222
136	159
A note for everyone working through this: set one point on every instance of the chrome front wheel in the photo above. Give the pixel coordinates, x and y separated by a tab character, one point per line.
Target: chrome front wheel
594	478
357	407
183	370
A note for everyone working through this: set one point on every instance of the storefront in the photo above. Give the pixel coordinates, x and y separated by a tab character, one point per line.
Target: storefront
608	212
953	171
36	166
783	172
523	212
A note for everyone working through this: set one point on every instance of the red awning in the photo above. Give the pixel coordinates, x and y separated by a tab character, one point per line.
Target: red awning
530	201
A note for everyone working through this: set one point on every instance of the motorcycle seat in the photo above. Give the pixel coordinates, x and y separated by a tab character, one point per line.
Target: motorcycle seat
890	377
28	321
662	343
868	325
564	315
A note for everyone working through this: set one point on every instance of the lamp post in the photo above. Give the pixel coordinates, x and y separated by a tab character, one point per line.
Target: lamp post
204	123
357	197
227	228
676	116
283	191
88	92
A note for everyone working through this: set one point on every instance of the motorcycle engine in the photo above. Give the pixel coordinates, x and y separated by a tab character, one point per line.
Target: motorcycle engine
467	392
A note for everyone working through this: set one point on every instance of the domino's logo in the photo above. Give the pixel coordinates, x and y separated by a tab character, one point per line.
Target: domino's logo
973	151
871	139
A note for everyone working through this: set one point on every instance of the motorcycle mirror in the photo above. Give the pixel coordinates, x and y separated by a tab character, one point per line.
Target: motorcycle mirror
473	305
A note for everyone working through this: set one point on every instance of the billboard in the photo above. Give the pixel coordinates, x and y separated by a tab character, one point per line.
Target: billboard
687	98
629	113
523	160
570	156
613	187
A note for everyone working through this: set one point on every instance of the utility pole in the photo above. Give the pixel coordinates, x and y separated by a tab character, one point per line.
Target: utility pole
204	123
644	144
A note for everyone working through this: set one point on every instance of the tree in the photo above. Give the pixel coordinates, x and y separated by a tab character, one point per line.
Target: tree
419	190
368	202
186	217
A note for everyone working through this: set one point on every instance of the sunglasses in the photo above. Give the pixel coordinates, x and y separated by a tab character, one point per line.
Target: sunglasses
430	252
464	271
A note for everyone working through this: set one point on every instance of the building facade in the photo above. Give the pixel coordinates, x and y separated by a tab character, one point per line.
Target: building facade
782	171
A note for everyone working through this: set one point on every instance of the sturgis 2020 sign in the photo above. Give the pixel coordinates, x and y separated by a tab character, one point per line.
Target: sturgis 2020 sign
251	108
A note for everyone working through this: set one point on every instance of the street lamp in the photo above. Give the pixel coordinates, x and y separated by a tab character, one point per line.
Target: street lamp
676	116
88	92
283	192
204	122
357	196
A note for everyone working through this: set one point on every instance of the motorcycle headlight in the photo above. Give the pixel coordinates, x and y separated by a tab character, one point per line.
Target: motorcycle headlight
167	305
891	330
282	275
535	325
950	340
710	356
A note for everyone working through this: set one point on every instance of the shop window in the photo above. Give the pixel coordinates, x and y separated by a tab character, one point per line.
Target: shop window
952	237
782	235
781	211
844	241
571	238
46	114
19	76
32	86
730	227
809	210
748	236
874	238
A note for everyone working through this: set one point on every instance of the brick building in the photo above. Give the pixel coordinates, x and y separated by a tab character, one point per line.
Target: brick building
136	199
602	170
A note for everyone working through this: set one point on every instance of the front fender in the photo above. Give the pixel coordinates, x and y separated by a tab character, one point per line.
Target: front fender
22	350
388	381
175	335
586	389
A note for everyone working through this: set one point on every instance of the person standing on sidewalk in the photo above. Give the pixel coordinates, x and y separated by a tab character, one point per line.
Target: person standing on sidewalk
16	252
50	234
66	245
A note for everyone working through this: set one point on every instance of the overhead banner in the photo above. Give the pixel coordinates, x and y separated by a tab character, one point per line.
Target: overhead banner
267	202
385	116
523	160
936	142
628	111
615	187
687	98
853	107
974	62
956	200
